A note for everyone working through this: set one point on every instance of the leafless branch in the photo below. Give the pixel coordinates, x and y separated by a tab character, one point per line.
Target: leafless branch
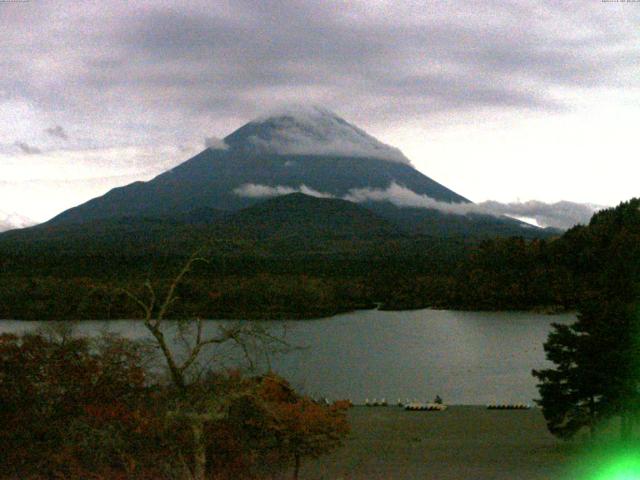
253	340
170	297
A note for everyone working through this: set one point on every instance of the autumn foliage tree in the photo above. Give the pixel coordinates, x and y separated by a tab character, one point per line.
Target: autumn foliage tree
70	406
270	428
79	409
302	427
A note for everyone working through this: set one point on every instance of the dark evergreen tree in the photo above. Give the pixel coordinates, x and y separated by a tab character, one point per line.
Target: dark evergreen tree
597	359
566	406
596	369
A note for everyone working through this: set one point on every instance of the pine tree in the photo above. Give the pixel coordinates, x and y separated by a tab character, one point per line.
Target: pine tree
596	364
597	358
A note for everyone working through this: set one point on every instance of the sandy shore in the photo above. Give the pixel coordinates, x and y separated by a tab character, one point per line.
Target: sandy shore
459	443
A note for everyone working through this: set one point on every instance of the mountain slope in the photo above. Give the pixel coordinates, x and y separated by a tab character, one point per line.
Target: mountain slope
422	221
299	215
296	220
311	148
308	150
213	177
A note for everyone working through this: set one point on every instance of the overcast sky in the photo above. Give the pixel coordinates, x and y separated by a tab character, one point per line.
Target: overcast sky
496	100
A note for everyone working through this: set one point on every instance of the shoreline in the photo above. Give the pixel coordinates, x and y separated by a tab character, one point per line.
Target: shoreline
277	317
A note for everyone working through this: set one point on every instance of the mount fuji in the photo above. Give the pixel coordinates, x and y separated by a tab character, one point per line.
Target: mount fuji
300	215
303	150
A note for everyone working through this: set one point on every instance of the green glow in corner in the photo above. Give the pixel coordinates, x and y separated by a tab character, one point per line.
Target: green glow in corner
626	467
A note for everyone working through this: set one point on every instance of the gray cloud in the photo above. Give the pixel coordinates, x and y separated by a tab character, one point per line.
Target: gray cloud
57	132
402	196
182	62
28	149
9	221
165	73
562	215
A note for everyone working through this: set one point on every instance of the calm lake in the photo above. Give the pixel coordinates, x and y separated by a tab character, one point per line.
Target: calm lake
465	357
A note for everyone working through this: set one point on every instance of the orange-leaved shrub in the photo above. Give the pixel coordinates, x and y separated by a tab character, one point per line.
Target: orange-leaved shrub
78	409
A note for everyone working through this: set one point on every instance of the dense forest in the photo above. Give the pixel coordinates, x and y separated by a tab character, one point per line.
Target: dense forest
78	273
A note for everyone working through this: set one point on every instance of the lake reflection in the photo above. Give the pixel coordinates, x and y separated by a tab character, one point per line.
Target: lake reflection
465	357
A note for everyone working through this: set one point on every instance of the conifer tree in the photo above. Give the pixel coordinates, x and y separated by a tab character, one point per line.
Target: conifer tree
596	373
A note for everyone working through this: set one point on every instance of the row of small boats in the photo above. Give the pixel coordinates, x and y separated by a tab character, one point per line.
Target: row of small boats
425	407
432	406
509	406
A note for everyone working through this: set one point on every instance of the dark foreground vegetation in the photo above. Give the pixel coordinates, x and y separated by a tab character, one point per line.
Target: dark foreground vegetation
278	271
595	376
74	408
78	408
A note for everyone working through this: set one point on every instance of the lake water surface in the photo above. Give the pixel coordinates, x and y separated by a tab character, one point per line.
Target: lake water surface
465	357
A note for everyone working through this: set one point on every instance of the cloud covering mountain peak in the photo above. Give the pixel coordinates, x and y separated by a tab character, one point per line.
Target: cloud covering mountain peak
310	130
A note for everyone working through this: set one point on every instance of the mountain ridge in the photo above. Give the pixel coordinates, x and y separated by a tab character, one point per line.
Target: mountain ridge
310	150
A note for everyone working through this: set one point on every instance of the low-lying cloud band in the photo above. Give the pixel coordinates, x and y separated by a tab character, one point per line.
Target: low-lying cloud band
562	215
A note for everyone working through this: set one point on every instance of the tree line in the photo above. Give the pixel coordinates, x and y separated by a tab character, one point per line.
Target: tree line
260	282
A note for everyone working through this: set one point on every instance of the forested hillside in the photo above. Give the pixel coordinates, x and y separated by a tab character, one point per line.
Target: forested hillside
276	271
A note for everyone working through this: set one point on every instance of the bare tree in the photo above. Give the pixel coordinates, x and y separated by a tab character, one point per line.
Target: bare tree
249	337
